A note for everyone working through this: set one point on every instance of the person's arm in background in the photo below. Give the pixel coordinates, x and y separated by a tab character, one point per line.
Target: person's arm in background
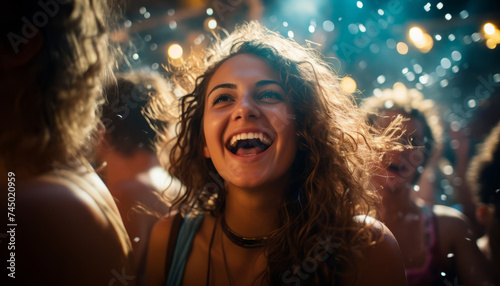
456	237
382	262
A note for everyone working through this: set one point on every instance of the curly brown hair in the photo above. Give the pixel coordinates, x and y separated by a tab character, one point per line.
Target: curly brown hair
331	169
56	114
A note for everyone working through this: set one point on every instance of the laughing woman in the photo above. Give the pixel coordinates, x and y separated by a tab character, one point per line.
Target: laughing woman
274	157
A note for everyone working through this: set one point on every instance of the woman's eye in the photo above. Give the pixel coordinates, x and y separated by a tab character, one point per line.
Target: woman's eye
270	95
222	98
415	141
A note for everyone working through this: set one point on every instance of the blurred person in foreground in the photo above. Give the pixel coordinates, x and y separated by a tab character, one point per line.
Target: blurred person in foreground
55	57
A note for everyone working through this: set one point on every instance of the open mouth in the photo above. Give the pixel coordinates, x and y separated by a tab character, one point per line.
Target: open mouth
249	144
395	168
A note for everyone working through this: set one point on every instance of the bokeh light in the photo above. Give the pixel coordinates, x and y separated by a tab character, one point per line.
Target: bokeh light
348	84
212	24
175	51
491	44
402	48
491	35
421	40
328	26
489	28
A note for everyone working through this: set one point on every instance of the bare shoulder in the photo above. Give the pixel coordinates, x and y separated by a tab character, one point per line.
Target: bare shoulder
163	226
59	200
450	219
381	263
448	213
378	230
60	222
454	231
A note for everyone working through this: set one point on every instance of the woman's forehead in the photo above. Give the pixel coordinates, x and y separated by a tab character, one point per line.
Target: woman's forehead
243	68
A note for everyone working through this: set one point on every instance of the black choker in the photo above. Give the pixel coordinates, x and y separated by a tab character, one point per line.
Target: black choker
247	242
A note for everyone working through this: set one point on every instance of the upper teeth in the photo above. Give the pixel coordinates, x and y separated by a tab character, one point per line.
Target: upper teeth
243	136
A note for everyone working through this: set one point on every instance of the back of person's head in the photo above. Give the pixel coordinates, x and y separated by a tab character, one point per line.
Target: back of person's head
128	129
55	55
483	175
411	104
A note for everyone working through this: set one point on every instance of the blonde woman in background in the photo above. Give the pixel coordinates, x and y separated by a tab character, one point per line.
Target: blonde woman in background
437	242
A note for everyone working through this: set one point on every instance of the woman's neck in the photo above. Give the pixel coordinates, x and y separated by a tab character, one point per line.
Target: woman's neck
397	205
252	213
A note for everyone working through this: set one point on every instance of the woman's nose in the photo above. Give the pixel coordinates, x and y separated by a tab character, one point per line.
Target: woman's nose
246	108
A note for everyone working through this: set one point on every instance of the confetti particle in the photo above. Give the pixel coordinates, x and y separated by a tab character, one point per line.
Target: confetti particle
427	7
381	79
328	26
464	14
445	63
456	56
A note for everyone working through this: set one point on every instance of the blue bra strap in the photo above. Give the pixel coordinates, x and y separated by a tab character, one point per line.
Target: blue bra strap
185	238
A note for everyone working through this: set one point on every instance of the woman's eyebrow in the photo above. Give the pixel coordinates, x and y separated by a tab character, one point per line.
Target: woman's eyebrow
233	86
223	85
266	82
